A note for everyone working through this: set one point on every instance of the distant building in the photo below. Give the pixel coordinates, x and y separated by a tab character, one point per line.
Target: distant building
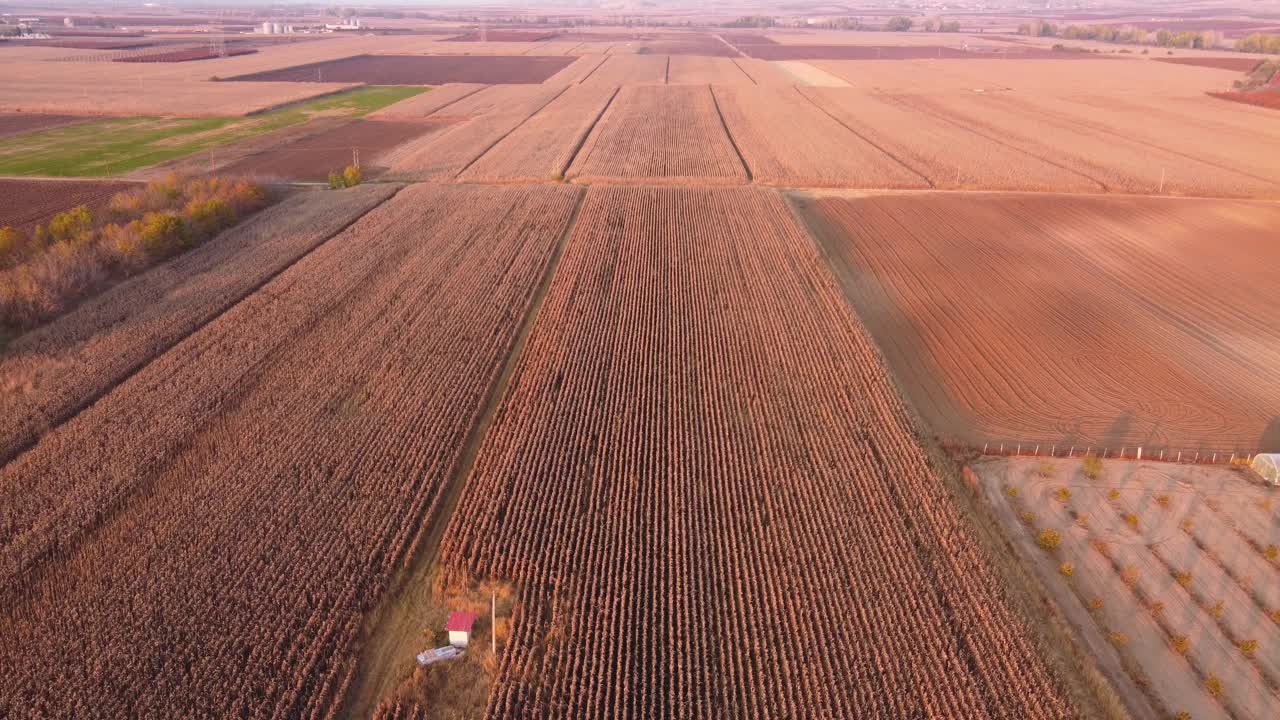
68	22
459	627
1267	465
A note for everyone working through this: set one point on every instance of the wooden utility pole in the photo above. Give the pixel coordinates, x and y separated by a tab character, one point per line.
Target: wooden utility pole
493	621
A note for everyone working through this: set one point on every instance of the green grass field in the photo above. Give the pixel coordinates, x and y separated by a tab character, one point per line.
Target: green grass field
115	146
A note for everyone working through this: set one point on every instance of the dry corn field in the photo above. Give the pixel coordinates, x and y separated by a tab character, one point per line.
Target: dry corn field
1070	320
1170	571
318	418
660	134
699	449
55	371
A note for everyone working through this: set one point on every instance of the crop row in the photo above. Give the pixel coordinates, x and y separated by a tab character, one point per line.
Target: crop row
207	539
710	497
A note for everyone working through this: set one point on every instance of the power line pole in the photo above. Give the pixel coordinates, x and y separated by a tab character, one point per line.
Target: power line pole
493	621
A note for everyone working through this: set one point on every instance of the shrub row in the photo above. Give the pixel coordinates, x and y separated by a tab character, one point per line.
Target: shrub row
45	272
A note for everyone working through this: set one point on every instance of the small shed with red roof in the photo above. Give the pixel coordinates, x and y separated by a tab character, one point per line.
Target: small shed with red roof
459	627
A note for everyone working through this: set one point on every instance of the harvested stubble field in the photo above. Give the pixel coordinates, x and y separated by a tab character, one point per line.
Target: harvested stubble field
318	418
693	70
660	134
1100	320
313	157
53	372
420	70
942	153
630	70
26	203
1106	146
479	122
661	410
786	139
543	146
425	104
1168	571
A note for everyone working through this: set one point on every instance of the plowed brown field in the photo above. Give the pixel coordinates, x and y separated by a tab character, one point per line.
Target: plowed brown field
660	134
709	495
268	475
313	157
1070	321
18	123
26	203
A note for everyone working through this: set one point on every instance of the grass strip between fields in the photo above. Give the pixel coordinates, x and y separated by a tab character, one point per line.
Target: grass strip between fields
113	146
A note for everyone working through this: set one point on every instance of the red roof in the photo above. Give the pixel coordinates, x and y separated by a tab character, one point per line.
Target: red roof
460	621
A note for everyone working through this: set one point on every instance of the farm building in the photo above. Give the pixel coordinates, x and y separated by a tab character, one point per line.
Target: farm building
459	627
1267	465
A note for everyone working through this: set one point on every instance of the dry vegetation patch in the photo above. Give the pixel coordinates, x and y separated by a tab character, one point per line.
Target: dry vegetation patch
622	403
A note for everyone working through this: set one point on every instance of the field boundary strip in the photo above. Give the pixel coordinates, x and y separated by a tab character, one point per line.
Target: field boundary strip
865	139
363	693
751	178
85	402
564	169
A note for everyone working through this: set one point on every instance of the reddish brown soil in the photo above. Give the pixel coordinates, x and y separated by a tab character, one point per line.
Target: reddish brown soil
1240	64
699	447
1070	320
315	156
26	203
1262	98
187	55
422	70
17	123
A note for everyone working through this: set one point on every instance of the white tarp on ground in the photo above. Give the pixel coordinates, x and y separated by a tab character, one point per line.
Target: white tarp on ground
1268	466
428	657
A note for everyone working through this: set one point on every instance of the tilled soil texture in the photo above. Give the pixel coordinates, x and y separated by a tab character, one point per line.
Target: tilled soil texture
1172	563
660	134
207	538
27	203
313	157
1238	64
1268	98
51	373
699	450
421	70
1067	321
18	123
